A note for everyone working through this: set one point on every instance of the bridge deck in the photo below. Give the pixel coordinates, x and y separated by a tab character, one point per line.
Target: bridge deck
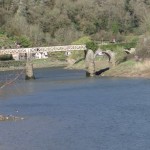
44	49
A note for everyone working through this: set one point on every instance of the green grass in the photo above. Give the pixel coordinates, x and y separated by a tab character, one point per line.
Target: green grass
123	69
113	47
57	56
130	42
12	63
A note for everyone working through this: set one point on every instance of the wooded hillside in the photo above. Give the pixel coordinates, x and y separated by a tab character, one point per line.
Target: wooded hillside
56	22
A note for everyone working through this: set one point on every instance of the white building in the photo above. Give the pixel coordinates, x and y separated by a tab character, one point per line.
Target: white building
41	55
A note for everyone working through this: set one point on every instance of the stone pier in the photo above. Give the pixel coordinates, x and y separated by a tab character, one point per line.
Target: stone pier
29	71
90	65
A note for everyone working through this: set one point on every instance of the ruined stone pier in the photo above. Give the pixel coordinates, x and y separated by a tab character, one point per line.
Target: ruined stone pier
90	64
29	71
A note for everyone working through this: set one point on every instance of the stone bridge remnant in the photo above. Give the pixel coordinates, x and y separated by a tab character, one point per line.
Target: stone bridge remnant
108	53
34	50
89	56
112	57
90	64
29	71
90	61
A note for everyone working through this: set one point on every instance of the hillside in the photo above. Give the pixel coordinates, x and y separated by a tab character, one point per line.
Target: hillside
56	22
5	41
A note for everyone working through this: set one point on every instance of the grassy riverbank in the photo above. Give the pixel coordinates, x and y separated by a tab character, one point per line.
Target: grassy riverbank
39	63
44	63
130	68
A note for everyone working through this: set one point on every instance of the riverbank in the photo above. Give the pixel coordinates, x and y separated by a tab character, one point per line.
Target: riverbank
38	63
129	68
45	63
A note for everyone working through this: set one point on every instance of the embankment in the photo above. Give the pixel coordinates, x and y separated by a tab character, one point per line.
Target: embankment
129	68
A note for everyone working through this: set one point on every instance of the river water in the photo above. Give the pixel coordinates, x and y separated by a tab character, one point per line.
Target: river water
64	110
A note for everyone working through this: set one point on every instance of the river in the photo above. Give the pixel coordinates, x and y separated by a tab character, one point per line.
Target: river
64	110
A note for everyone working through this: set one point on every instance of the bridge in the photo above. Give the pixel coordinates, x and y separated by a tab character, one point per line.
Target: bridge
34	50
67	48
43	49
89	60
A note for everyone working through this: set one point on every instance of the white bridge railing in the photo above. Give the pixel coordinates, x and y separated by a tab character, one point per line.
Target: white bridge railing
43	49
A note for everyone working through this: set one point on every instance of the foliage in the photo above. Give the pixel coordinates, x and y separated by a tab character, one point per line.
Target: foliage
1	32
23	41
53	22
77	55
92	45
82	40
115	27
6	57
5	41
113	47
9	41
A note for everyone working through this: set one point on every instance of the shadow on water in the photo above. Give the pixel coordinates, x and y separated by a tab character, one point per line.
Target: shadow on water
101	71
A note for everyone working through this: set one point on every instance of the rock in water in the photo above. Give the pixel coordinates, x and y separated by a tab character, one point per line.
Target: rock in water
10	118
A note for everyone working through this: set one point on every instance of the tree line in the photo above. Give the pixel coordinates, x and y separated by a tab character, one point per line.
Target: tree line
56	22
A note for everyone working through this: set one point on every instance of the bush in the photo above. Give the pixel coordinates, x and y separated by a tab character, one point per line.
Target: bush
24	41
82	40
2	32
6	57
92	45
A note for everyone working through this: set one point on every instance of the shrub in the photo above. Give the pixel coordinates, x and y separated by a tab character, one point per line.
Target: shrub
92	45
82	40
24	41
6	57
1	32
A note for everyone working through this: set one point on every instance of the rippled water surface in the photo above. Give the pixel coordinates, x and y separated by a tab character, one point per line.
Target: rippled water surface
64	110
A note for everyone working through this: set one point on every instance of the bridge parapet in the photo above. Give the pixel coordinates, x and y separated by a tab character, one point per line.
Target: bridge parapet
44	49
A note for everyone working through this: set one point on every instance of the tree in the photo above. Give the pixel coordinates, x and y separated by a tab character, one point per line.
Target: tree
92	45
